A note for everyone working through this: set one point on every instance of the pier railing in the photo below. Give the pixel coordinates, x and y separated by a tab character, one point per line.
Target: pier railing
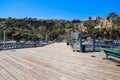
18	45
98	47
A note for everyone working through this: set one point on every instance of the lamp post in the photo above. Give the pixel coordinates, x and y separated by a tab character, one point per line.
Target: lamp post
46	37
4	34
76	36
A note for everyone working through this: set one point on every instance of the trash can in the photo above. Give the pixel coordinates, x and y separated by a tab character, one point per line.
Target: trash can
67	42
83	48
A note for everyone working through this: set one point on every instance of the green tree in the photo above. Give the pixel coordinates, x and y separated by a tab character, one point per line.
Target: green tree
112	16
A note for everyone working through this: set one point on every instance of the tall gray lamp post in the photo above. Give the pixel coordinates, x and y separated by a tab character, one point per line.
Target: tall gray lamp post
46	38
76	36
4	34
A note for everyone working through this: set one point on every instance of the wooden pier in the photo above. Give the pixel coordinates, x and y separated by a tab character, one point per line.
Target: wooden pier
56	62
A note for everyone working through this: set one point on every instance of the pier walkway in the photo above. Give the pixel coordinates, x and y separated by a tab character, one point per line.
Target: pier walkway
56	61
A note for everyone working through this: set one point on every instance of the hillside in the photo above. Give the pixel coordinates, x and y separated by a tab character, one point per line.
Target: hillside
39	29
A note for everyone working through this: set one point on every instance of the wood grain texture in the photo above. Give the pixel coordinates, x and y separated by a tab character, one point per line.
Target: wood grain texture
56	62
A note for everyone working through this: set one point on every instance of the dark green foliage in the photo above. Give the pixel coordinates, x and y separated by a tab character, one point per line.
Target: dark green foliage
112	16
22	29
76	21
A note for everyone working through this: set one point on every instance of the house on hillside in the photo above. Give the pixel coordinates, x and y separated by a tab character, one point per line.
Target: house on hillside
96	18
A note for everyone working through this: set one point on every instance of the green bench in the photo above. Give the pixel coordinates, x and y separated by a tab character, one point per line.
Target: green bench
112	53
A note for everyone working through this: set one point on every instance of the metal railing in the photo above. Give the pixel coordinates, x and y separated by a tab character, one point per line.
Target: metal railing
18	45
98	47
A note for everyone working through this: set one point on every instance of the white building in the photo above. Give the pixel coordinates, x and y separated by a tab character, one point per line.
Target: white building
96	18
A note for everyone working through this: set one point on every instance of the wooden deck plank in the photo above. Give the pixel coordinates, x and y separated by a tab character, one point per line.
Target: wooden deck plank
6	75
55	62
22	71
13	73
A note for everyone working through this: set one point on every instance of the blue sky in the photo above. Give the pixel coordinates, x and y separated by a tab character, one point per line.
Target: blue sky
58	9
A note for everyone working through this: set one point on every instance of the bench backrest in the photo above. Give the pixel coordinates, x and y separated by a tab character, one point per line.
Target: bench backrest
112	53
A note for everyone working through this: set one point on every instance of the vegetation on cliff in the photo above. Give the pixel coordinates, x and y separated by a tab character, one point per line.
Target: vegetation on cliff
34	29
